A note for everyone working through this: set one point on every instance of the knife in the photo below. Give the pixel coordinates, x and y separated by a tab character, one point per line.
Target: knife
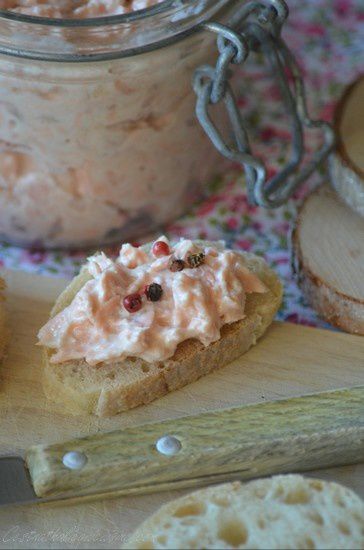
296	434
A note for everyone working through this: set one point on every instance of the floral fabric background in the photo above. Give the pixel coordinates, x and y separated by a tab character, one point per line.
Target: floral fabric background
327	37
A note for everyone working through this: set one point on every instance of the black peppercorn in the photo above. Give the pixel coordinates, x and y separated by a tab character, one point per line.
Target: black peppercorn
176	265
153	292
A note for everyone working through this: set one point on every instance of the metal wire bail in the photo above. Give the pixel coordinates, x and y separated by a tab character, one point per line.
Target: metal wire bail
257	25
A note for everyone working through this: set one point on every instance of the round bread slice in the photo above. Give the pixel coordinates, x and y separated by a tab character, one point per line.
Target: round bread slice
117	386
281	512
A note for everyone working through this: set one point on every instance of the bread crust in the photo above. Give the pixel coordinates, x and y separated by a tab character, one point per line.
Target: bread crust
118	386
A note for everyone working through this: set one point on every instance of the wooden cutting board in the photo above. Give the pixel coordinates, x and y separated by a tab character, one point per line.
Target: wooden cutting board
289	361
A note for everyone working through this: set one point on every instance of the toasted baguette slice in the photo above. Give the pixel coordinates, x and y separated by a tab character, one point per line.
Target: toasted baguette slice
121	385
281	512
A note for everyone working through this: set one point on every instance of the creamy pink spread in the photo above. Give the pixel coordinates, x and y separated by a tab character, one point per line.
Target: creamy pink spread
75	8
69	179
196	303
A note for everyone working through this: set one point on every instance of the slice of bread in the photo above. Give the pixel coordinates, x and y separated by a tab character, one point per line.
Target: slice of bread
281	512
121	385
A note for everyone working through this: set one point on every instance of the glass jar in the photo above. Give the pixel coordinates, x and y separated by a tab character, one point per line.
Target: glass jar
99	141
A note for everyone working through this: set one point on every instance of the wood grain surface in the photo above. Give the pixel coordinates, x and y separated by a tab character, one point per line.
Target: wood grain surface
346	163
289	361
328	244
320	430
349	125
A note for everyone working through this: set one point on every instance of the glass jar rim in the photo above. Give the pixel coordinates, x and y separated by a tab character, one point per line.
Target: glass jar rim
103	38
136	15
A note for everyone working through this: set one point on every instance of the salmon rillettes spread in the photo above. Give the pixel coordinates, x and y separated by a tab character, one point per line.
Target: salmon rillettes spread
144	304
75	8
95	152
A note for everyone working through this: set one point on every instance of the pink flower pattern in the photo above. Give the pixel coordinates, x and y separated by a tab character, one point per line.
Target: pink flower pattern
327	38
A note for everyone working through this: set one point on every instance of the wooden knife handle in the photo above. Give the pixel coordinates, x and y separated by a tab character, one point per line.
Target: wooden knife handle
297	434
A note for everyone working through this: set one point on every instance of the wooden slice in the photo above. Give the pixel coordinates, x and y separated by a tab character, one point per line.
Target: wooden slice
328	258
3	330
347	162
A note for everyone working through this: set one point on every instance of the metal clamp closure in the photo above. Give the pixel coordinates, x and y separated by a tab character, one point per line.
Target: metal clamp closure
258	27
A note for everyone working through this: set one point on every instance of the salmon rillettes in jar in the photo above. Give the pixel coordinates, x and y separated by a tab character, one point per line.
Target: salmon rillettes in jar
99	140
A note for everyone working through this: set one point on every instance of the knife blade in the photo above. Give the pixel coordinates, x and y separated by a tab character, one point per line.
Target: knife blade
297	434
15	483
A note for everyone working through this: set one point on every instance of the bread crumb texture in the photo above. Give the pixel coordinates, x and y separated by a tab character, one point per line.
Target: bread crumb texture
281	512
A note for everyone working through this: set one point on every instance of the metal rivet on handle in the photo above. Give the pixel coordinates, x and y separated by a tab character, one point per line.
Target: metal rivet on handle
168	445
74	460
